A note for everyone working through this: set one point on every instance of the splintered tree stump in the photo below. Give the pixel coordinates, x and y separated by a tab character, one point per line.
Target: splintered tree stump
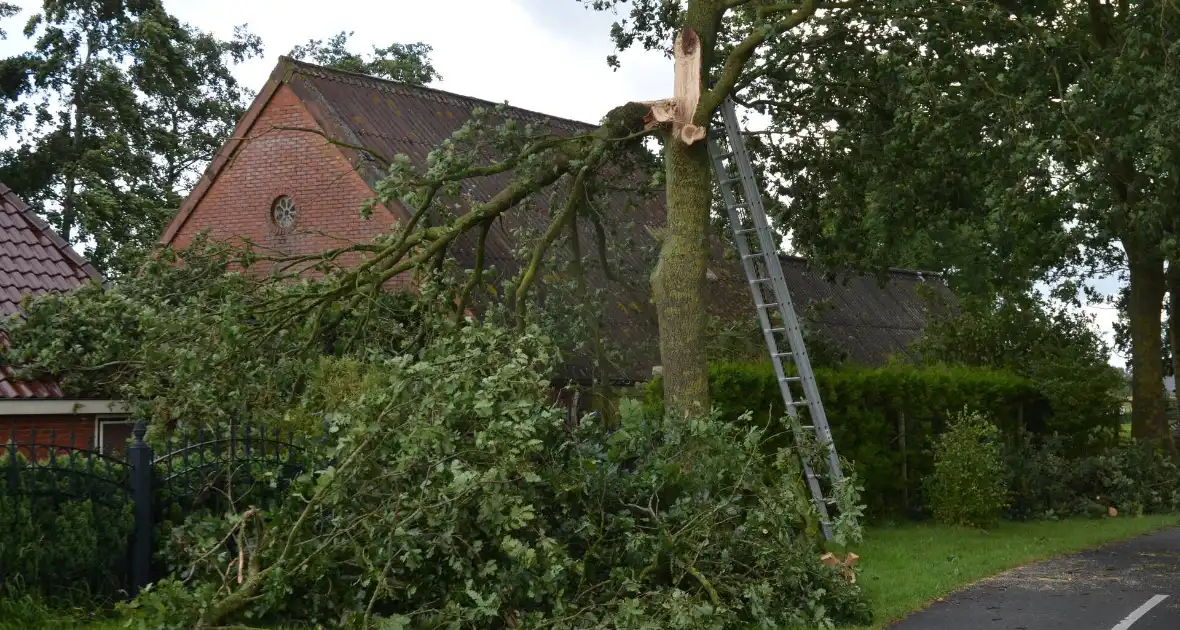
678	111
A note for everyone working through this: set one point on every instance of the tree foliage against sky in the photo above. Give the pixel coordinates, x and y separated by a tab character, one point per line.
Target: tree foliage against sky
404	63
1006	144
116	107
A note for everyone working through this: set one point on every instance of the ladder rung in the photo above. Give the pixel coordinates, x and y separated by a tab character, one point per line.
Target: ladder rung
747	209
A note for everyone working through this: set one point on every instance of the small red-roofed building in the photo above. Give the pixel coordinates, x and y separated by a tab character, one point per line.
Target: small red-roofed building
35	260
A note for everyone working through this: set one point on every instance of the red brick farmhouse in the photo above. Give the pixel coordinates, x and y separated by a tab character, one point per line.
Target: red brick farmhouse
34	260
279	183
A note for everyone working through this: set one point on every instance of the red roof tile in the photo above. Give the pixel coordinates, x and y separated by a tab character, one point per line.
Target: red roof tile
33	260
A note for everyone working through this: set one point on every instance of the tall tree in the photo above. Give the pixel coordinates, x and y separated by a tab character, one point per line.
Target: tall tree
723	48
116	107
404	63
1006	143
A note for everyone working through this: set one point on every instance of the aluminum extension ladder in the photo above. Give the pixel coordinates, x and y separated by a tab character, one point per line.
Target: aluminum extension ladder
771	297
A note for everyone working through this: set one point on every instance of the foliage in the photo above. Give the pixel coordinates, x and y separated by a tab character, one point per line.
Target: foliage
968	485
1133	478
458	496
66	524
22	610
116	107
189	339
1056	349
404	63
865	406
1045	142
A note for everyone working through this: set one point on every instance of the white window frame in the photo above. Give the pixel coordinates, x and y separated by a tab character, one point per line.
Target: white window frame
100	423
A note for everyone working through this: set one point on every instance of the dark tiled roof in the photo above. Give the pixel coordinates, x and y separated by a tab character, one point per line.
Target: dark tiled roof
392	119
869	320
33	260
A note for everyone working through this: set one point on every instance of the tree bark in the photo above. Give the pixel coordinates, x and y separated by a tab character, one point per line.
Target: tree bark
1174	315
679	281
1148	420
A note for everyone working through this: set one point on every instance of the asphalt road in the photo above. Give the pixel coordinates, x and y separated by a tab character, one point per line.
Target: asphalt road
1130	585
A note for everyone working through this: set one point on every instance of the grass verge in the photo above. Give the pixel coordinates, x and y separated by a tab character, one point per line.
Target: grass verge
905	568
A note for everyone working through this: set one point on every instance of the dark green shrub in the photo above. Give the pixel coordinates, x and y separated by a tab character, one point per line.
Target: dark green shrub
968	486
1039	478
1135	478
1055	348
66	524
870	408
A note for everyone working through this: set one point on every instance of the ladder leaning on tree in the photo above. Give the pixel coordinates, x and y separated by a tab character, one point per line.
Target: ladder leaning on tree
772	299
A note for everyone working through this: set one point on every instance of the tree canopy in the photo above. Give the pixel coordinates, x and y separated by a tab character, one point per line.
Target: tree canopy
1005	144
116	108
404	63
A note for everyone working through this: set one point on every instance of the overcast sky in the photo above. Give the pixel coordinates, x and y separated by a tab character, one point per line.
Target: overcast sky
544	55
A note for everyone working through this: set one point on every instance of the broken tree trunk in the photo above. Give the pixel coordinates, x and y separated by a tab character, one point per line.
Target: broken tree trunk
678	282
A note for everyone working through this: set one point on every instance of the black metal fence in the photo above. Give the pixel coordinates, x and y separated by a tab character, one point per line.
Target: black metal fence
73	515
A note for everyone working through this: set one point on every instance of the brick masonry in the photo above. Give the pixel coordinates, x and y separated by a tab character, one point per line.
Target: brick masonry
277	160
62	431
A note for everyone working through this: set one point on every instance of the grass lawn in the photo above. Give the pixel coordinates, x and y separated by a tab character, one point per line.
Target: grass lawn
905	568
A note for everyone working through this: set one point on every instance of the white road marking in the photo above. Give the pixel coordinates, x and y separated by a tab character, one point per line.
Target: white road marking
1125	624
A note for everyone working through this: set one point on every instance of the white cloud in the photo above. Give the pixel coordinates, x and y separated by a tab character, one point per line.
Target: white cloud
498	50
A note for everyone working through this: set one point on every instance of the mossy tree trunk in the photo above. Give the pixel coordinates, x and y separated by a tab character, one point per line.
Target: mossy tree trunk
678	284
680	278
1174	319
1148	420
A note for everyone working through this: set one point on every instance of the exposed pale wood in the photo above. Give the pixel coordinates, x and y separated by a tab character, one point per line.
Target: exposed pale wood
686	92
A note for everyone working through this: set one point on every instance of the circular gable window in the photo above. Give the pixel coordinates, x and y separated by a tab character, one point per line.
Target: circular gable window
283	212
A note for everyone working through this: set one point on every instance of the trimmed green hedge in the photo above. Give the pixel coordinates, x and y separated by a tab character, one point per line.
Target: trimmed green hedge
66	527
868	408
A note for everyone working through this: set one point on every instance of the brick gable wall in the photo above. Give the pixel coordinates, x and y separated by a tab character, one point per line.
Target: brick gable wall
301	165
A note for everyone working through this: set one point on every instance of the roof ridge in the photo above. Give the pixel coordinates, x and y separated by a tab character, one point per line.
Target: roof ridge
333	74
890	270
41	226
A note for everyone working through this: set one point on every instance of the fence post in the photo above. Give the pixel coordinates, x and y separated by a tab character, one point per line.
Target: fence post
905	473
139	454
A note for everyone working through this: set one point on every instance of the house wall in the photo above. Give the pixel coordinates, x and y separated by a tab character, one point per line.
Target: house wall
62	431
275	161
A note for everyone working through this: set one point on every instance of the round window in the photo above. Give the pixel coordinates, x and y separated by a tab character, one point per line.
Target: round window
283	212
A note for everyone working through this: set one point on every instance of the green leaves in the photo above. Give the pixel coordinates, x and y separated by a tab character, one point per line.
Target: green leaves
116	108
968	486
404	63
1057	350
